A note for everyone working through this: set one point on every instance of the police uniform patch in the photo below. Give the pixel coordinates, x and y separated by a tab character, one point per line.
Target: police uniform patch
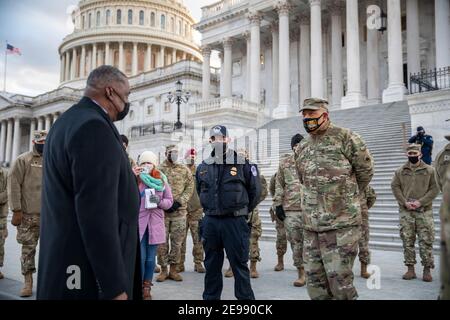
254	171
233	171
216	130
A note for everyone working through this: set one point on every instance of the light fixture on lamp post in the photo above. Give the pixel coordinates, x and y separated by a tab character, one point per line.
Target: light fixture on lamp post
383	17
178	97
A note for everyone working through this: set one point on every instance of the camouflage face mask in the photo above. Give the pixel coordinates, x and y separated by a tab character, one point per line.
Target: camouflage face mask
312	124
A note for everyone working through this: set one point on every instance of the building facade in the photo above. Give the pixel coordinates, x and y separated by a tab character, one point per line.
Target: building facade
151	41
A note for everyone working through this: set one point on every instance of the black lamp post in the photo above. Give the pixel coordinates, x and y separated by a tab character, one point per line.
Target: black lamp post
178	98
383	18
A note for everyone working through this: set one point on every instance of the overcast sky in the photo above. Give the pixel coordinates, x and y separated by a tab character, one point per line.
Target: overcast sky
37	27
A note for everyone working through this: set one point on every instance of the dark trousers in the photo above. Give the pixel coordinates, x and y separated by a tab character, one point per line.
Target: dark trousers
231	234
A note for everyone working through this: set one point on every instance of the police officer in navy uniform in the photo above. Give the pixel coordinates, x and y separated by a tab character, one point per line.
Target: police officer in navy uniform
426	141
229	189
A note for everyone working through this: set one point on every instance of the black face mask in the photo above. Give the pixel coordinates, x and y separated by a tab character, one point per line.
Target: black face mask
414	159
312	124
122	114
39	148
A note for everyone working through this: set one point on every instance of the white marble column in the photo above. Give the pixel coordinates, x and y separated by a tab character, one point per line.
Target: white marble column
40	122
32	129
48	122
161	57
74	64
396	90
255	51
121	58
134	62
227	65
206	74
67	69
316	49
221	92
184	56
16	139
248	66
94	57
100	57
412	35
148	58
82	62
373	66
275	63
107	54
62	66
55	116
9	138
3	128
354	97
442	12
283	109
305	59
174	55
337	86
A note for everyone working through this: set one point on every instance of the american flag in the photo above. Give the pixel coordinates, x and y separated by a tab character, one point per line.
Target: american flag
12	50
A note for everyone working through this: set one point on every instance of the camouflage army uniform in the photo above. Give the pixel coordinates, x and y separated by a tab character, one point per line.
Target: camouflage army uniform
24	194
3	213
194	214
418	183
443	179
333	166
182	185
281	242
288	195
445	238
367	201
256	232
441	164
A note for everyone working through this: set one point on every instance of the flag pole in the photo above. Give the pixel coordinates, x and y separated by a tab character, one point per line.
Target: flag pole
6	62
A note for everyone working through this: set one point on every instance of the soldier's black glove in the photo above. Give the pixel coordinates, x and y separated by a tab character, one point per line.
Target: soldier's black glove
174	207
279	211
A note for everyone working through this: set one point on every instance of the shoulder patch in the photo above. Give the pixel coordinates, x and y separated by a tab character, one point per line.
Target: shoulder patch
254	171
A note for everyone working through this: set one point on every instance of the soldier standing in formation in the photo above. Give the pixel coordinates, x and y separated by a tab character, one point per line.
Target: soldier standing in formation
182	185
414	186
334	167
443	179
255	224
194	215
281	242
3	214
287	204
24	197
367	201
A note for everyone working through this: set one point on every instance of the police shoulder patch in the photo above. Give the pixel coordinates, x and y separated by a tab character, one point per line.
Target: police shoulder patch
254	171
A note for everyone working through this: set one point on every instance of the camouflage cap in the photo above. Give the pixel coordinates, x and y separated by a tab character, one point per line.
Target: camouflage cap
414	147
171	147
314	104
39	135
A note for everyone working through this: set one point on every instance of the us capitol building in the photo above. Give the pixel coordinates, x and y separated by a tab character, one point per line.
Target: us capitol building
274	54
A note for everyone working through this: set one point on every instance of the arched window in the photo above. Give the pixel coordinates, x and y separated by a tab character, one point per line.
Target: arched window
152	19
141	18
163	22
172	24
119	16
98	19
90	20
185	30
130	16
83	22
179	28
108	16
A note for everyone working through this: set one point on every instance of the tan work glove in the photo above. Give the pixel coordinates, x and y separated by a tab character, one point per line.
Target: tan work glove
17	218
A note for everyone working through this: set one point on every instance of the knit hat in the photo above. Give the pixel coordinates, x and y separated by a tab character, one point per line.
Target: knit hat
190	152
148	156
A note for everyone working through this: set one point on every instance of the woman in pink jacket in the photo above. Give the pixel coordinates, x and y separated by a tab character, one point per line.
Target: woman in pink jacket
156	197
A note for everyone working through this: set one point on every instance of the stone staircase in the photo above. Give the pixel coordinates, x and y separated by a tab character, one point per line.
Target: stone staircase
385	128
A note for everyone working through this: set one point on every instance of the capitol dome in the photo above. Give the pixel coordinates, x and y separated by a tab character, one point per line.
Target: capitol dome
135	35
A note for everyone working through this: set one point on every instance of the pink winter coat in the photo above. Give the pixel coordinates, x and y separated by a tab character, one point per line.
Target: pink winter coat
154	218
